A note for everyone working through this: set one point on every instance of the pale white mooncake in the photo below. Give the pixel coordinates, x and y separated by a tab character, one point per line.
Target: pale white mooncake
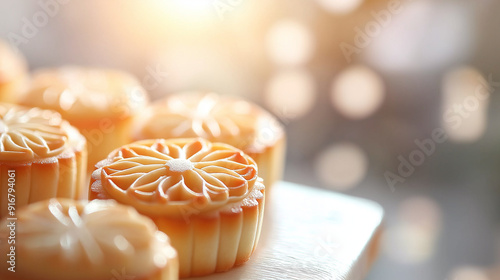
62	239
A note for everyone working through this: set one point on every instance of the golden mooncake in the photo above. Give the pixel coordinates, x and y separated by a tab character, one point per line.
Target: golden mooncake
62	239
217	118
99	102
207	197
41	157
13	73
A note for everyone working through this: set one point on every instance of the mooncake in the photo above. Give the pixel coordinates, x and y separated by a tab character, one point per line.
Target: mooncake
218	118
61	239
99	102
41	156
207	197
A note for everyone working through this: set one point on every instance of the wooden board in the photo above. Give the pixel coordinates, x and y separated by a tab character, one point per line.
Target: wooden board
310	233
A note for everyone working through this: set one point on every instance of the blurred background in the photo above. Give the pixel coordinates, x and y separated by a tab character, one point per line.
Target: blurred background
390	100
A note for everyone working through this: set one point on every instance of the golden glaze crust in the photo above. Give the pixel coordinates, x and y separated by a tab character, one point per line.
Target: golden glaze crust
173	176
32	134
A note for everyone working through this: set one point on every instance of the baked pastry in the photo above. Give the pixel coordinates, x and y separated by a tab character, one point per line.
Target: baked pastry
100	103
41	157
61	239
207	197
13	73
217	118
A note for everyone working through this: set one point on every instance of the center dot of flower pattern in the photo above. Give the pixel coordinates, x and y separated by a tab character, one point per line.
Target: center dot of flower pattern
179	165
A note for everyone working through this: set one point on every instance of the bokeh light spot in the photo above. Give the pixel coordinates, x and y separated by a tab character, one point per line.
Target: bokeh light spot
357	92
465	103
341	166
412	239
289	43
192	11
421	211
468	273
291	94
340	6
